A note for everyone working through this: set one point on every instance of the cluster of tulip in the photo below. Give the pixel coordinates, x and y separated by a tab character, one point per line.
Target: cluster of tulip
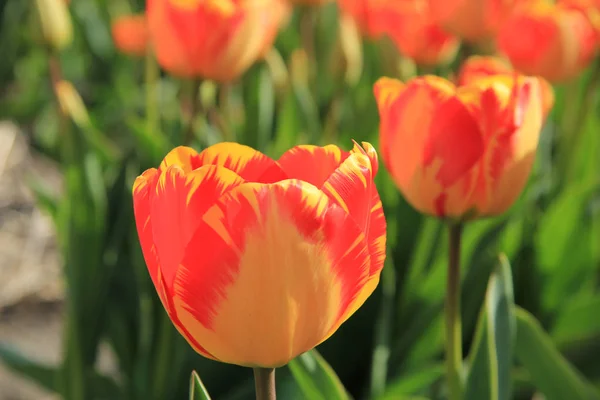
230	235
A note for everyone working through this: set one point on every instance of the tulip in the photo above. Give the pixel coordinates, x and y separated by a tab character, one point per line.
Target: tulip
473	20
130	34
554	41
257	261
460	152
211	39
477	67
418	36
371	16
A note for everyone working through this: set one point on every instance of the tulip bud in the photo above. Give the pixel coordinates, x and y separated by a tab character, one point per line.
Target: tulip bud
71	103
56	23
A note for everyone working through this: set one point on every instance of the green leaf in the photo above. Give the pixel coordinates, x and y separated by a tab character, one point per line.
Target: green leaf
578	321
491	354
414	382
316	378
197	389
48	376
550	372
44	375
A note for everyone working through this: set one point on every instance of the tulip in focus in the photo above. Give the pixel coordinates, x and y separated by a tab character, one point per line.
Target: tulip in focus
554	41
417	35
211	39
460	152
477	67
130	34
257	261
473	20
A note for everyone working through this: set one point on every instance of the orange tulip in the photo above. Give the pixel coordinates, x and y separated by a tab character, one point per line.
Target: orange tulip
257	261
550	40
130	34
460	152
417	35
473	20
371	16
212	39
477	67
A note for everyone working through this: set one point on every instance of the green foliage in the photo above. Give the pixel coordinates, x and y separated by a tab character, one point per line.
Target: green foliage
392	347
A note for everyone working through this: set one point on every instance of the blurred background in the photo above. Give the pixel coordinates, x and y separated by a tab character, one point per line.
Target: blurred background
80	119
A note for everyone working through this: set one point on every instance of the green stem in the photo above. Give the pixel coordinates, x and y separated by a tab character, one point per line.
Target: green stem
383	330
264	383
573	128
194	105
151	77
163	358
453	321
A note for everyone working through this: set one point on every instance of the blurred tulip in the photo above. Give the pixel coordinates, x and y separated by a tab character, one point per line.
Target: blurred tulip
461	152
275	20
473	20
56	23
309	2
418	36
130	34
257	261
550	40
212	39
371	16
477	67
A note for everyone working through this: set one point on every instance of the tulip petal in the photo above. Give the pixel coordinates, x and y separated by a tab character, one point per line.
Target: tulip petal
248	163
351	187
184	157
143	188
312	164
177	208
269	273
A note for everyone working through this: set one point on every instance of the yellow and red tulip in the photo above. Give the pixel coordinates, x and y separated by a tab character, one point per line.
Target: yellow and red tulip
477	67
473	20
212	39
130	34
417	35
255	260
460	152
554	41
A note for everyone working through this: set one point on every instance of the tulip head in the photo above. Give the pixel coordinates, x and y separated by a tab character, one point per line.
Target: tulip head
460	152
472	20
554	41
477	67
417	35
130	34
211	39
257	261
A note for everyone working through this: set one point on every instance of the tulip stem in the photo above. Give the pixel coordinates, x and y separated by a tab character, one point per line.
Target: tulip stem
453	321
264	382
194	105
151	78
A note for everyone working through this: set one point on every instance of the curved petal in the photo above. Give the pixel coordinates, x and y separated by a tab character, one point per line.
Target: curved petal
351	186
185	157
177	206
250	164
143	189
312	164
269	272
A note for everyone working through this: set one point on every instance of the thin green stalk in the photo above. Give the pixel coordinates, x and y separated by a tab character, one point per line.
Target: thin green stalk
453	321
573	132
194	105
151	78
264	383
162	362
383	331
